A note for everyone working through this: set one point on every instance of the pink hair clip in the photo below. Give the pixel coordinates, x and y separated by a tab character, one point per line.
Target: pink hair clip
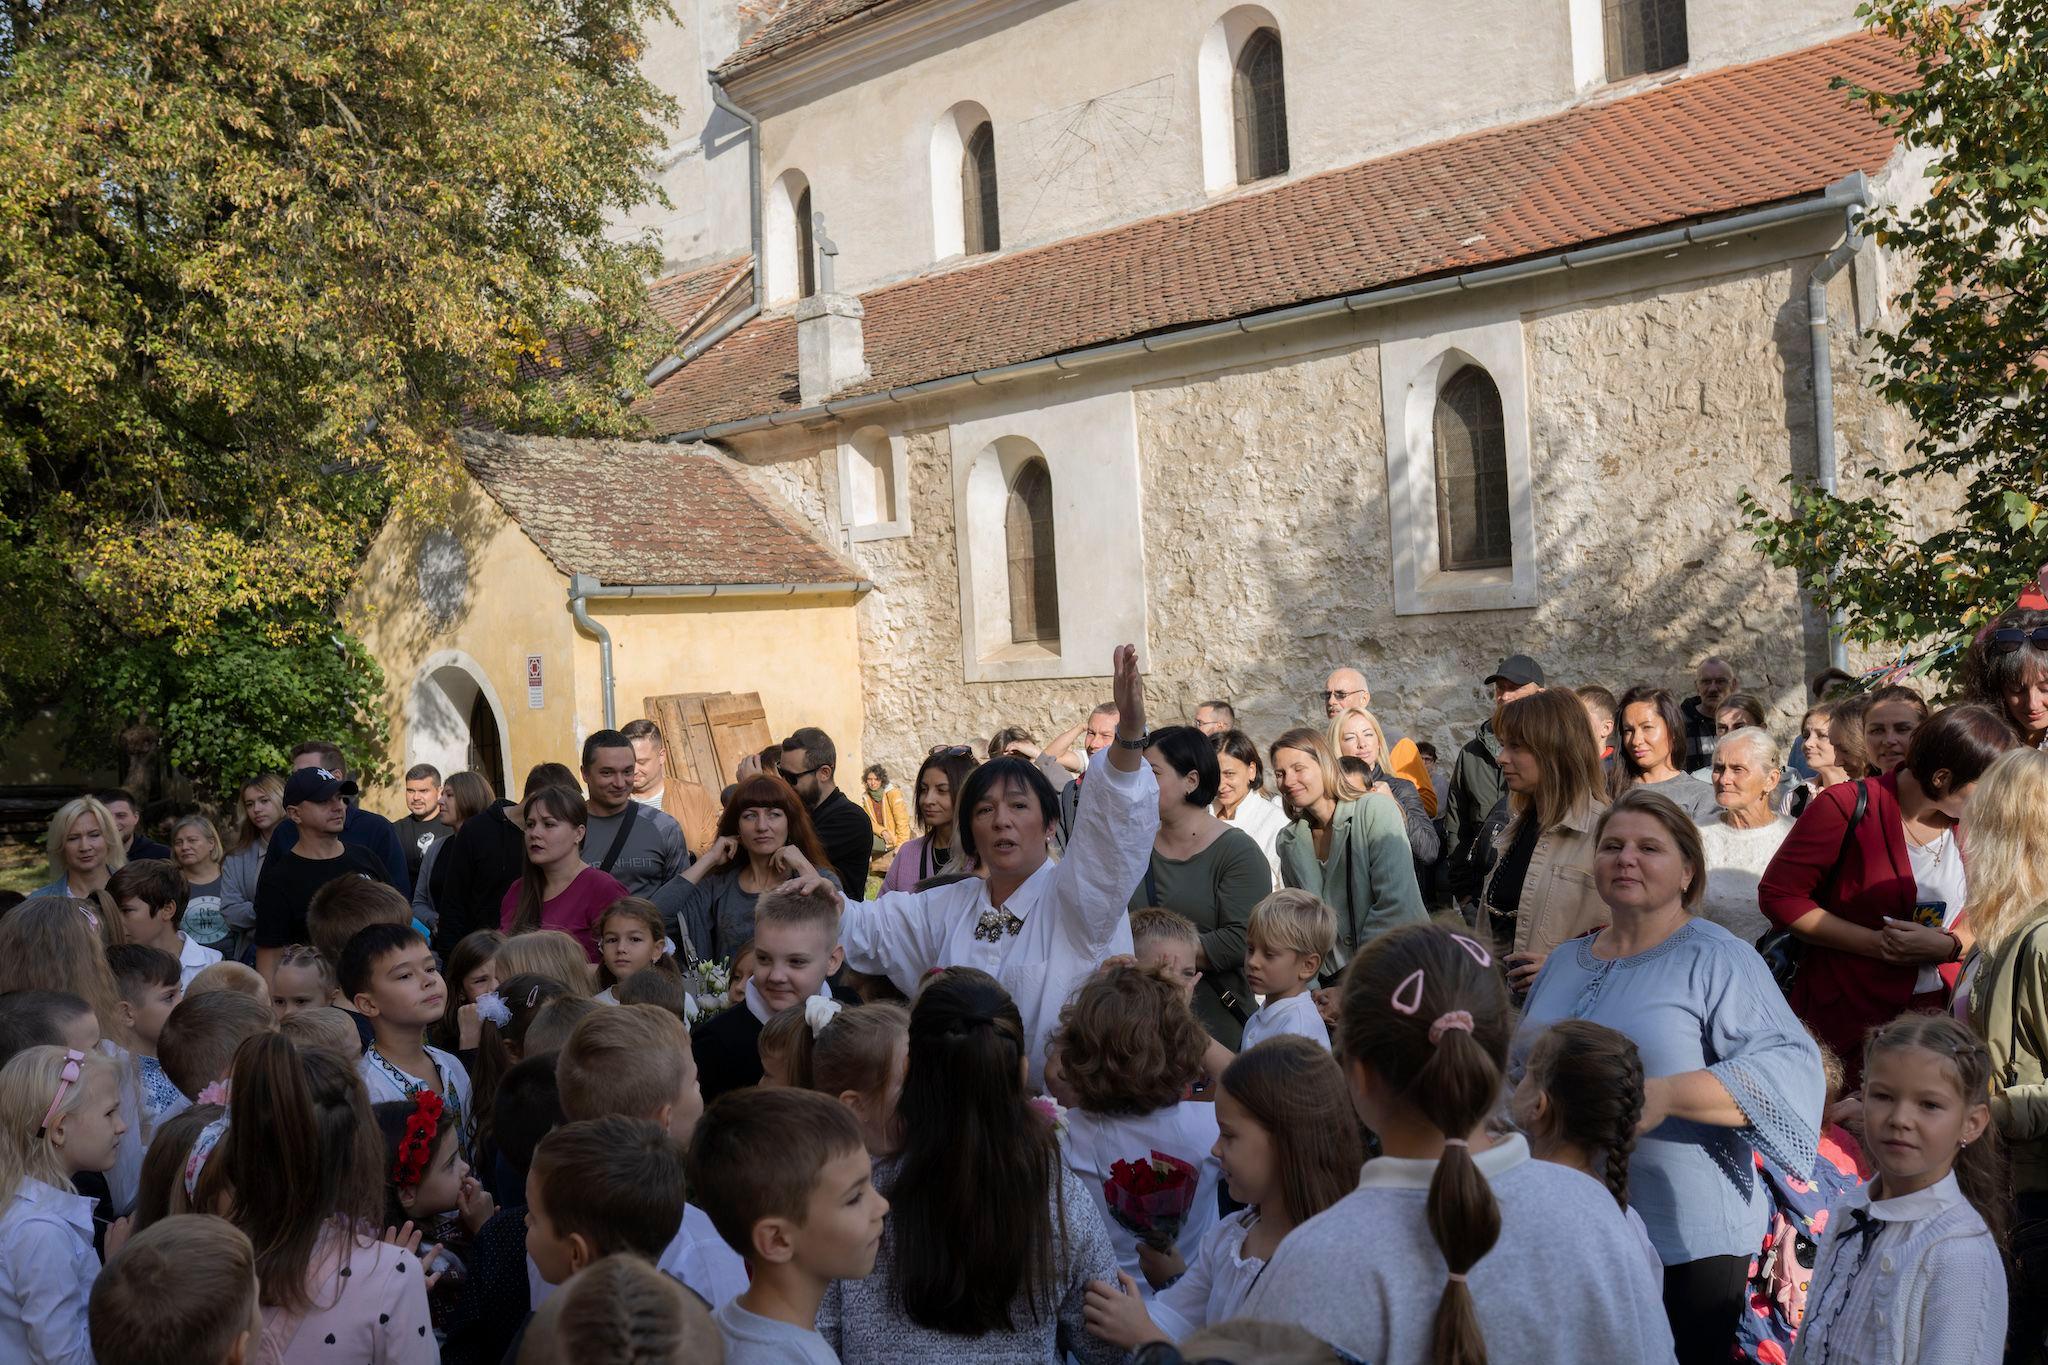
1458	1020
1411	987
73	1059
1474	948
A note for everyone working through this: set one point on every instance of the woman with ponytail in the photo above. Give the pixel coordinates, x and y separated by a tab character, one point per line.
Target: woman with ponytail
1447	1252
990	1242
300	1169
1729	1071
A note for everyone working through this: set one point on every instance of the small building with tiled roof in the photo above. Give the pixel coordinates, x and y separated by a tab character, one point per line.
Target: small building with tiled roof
568	581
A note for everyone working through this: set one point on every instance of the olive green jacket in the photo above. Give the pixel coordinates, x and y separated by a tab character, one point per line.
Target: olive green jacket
2009	1010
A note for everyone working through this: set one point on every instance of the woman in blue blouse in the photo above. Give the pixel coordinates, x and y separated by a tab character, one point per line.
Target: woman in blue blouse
1730	1071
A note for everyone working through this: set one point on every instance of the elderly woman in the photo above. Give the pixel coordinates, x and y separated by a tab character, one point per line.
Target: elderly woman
1652	747
1357	733
1037	925
196	850
1206	871
84	849
1345	845
1241	800
1871	879
1540	892
2008	668
1728	1070
1741	840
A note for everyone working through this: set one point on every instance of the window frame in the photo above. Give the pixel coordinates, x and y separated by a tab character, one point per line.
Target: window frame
1652	53
981	229
1493	550
1037	526
1259	106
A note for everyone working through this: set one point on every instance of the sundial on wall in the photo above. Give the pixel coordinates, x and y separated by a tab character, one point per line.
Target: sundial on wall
1077	161
443	577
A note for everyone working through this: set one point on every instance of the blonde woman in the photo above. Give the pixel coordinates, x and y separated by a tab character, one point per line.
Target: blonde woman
2004	995
84	849
1541	892
195	848
259	806
1357	733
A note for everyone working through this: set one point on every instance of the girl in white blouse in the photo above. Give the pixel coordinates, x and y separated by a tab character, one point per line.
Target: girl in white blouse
1290	1147
1910	1270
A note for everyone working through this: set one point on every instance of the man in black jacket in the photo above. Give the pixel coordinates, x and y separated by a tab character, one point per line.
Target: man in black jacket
809	763
1476	785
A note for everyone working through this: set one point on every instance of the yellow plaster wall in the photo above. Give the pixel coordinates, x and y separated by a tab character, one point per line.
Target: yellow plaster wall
802	654
515	604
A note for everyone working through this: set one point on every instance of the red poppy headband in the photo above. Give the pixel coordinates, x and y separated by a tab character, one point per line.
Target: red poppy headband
416	1148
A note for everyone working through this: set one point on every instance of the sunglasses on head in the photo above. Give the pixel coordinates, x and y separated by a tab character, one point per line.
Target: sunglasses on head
2008	639
950	751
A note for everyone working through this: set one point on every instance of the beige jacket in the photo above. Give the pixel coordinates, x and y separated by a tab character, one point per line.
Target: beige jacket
1559	901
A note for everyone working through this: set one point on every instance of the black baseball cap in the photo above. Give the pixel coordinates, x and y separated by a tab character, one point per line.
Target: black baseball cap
315	784
1517	670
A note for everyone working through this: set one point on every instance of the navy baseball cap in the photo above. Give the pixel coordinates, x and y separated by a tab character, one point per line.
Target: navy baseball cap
315	784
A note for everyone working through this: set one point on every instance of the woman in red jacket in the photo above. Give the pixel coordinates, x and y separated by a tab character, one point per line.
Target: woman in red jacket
1877	897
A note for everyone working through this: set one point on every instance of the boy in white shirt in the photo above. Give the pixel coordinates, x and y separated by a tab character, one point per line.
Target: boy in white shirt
152	896
391	975
1290	934
788	1183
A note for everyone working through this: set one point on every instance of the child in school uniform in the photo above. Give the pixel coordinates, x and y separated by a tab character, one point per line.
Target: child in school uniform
602	1187
1911	1266
60	1115
630	941
1449	1247
1289	938
183	1289
393	978
151	986
786	1178
858	1056
151	895
796	951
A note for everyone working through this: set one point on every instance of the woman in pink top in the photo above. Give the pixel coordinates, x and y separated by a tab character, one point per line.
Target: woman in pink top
558	890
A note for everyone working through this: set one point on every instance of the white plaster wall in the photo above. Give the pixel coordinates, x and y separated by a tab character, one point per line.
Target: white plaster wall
1096	104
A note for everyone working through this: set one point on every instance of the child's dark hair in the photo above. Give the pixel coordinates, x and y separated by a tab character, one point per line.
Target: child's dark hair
664	990
346	906
618	1181
137	967
500	1047
473	952
643	913
156	882
1295	1090
759	1153
527	1107
1128	1042
1980	1167
393	1117
1427	1011
36	1019
371	944
1594	1078
552	1023
161	1191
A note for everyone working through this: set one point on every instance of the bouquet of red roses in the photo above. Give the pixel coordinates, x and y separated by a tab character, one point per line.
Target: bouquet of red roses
1152	1197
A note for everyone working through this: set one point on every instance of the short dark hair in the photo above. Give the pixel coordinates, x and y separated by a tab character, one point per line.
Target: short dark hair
542	775
643	728
1217	704
36	1019
371	944
996	774
1239	746
525	1109
346	906
1962	741
182	1290
876	770
197	1046
107	796
327	751
137	967
617	1181
1189	752
759	1153
603	739
815	745
423	772
153	881
1826	676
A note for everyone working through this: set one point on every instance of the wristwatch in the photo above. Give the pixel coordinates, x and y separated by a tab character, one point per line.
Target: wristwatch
1142	742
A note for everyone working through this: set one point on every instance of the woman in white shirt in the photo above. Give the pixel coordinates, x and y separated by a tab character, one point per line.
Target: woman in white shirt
1241	799
1743	838
1037	926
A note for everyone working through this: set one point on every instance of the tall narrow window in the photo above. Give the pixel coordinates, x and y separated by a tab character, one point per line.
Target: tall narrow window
1027	532
978	223
1643	35
1260	94
806	247
1473	526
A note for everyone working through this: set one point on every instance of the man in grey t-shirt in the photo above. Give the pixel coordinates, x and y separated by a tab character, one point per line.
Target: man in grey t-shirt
652	849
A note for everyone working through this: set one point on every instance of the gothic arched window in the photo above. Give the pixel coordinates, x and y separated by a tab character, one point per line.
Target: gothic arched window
1643	35
1028	537
979	226
806	247
1474	530
1260	94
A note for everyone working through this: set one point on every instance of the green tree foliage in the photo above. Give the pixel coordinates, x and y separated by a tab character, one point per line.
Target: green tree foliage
1968	362
258	258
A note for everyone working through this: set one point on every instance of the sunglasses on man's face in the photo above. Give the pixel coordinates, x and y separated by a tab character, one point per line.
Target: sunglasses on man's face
2008	639
787	776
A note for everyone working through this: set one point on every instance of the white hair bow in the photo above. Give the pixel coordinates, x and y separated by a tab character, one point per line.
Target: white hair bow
819	1011
491	1006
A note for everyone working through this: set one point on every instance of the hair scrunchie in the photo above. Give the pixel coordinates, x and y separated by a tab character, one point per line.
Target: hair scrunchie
492	1009
1460	1020
202	1148
819	1011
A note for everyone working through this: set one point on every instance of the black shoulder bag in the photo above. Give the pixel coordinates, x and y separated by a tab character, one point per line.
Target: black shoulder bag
1781	949
611	855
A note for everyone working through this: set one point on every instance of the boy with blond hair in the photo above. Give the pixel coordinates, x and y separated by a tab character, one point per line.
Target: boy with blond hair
796	951
1290	936
1168	942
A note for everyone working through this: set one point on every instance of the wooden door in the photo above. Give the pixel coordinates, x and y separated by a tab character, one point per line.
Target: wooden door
706	733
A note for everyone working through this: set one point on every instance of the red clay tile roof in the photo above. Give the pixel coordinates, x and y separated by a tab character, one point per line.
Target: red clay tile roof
794	22
1708	145
638	512
684	299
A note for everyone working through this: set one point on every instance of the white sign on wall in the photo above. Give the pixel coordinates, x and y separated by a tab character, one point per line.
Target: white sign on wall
535	698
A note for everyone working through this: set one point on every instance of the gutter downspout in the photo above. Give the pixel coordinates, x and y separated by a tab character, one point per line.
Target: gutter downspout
670	364
1827	470
583	587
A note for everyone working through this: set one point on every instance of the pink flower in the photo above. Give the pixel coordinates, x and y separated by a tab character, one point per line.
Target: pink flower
217	1093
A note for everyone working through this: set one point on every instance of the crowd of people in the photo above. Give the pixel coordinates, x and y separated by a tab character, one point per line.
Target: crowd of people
1630	1033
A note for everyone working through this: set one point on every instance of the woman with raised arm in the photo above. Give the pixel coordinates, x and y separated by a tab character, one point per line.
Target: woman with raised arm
1037	926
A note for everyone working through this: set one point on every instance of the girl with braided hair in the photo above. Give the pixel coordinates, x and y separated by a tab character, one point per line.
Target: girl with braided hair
1447	1251
1579	1103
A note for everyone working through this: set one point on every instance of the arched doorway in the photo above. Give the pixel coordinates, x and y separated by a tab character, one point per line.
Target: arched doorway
454	721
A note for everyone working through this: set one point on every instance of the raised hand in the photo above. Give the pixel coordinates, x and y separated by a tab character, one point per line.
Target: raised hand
790	859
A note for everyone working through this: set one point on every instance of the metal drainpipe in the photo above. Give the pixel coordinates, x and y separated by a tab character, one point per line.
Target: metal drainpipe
671	364
581	586
1826	462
